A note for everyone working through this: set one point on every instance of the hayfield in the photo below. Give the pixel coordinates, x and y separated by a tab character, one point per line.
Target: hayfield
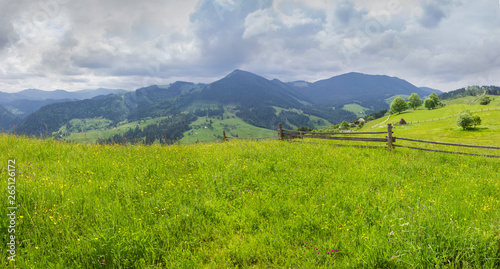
266	204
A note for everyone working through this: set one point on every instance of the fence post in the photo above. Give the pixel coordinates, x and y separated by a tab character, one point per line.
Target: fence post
224	133
280	131
389	135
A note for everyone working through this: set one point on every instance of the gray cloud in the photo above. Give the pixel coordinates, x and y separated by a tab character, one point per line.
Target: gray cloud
432	15
346	12
75	44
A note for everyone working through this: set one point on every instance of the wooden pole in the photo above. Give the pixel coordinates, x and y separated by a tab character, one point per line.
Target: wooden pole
224	134
389	135
280	131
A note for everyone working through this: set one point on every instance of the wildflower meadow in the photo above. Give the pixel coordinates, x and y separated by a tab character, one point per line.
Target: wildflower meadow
265	204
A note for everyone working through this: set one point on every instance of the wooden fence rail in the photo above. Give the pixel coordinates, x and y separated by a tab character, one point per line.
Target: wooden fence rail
452	152
448	144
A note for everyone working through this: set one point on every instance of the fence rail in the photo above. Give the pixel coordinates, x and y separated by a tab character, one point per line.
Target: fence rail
345	133
444	151
448	144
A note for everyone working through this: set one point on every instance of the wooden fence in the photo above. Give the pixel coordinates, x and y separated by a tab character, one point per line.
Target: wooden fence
389	139
355	136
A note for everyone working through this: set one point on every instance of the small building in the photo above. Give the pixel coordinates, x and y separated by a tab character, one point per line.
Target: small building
358	121
402	122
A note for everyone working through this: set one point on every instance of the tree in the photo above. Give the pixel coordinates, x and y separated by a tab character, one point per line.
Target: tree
476	120
465	120
344	125
398	105
429	103
435	99
414	101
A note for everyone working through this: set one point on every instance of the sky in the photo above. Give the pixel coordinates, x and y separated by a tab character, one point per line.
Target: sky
125	44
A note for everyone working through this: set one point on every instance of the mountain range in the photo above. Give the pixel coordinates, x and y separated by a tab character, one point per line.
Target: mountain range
23	103
254	99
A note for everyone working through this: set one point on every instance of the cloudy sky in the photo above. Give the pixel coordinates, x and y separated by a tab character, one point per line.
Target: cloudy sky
76	44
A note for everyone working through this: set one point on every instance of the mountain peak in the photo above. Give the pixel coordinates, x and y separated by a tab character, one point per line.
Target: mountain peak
240	72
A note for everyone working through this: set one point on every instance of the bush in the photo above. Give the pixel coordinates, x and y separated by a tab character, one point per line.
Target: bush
465	120
485	100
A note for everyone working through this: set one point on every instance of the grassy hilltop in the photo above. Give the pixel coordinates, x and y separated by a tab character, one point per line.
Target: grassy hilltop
265	204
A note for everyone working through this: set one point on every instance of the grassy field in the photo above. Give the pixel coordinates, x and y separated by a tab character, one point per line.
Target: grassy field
265	204
488	133
213	132
356	109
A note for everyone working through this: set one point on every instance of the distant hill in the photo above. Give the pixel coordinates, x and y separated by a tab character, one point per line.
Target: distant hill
470	91
34	94
23	108
430	90
7	119
25	102
367	90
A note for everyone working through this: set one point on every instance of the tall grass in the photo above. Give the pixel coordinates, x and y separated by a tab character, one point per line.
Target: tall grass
266	204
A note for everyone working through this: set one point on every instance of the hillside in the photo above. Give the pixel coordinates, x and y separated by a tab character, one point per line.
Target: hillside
470	91
7	119
440	125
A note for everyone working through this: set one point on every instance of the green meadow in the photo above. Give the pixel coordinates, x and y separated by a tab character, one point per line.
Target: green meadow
440	125
356	109
257	204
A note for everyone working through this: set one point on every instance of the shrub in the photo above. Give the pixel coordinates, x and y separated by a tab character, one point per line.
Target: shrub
485	100
465	120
